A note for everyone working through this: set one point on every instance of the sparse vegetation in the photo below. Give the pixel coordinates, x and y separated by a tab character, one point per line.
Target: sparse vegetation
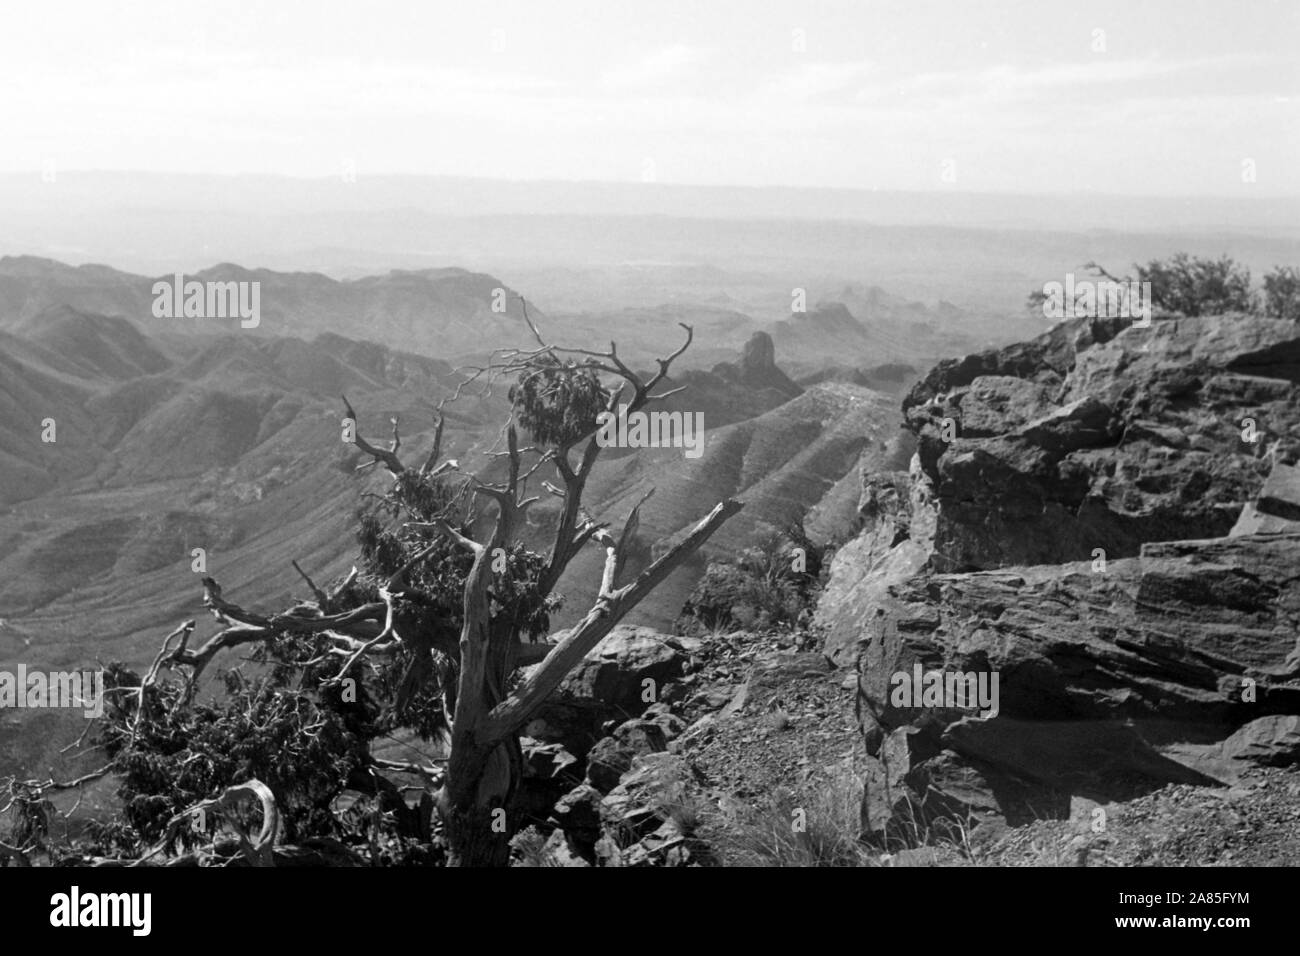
1193	286
819	826
774	583
528	848
1282	293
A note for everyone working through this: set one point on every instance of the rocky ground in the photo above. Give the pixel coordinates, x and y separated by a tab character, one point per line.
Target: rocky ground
1254	823
1107	519
763	725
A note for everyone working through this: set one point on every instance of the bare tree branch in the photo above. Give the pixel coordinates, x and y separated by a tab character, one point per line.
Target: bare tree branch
436	451
321	599
387	457
600	620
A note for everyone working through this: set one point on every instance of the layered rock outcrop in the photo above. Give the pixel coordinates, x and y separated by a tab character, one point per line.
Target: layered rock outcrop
1107	521
1093	437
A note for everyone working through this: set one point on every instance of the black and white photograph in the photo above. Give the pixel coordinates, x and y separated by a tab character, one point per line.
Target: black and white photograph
680	434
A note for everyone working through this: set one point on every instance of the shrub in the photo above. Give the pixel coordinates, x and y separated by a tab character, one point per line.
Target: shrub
1196	286
771	584
1282	293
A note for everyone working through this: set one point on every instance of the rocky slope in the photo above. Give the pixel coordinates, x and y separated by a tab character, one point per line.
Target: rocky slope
1090	518
664	750
798	456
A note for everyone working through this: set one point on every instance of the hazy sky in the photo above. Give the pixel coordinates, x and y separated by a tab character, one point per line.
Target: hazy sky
1139	97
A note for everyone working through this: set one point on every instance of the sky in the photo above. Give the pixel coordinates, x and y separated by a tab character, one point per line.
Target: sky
1172	97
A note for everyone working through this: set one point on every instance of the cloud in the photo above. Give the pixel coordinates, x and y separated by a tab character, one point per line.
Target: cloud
818	80
1100	77
665	67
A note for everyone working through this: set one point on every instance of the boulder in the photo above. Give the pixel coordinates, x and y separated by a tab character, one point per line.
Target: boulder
577	813
545	761
1272	741
629	670
1276	507
613	755
1268	741
669	724
607	763
633	668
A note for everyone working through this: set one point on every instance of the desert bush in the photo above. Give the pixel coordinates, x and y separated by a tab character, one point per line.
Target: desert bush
1197	286
1282	293
771	584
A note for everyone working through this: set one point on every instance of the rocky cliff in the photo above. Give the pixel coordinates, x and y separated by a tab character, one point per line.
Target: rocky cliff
1104	520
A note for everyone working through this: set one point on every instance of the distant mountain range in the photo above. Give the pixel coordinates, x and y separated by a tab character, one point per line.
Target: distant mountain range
444	312
460	316
227	442
166	441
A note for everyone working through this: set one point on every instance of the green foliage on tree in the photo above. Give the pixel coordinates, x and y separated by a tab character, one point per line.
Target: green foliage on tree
557	403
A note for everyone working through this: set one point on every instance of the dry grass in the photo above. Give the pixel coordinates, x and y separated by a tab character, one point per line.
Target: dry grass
819	827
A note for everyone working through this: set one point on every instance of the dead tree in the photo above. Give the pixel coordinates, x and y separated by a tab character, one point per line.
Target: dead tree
556	395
